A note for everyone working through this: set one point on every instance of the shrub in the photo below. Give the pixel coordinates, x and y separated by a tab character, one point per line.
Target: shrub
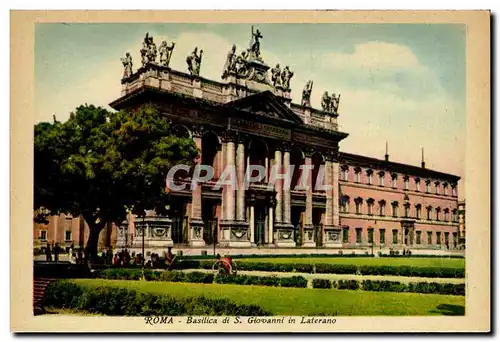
114	301
321	284
295	281
347	284
422	287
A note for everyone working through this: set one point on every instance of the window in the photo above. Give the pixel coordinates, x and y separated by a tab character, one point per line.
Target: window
358	235
344	174
381	207
429	238
369	204
358	203
417	184
438	188
455	240
394	236
419	237
369	174
357	173
43	235
67	235
394	178
381	176
370	235
447	239
438	211
382	236
427	186
344	204
445	189
438	238
453	190
345	235
447	214
406	182
455	216
395	209
407	210
429	209
418	210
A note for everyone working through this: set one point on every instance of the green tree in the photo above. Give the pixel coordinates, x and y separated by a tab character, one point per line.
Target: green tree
102	165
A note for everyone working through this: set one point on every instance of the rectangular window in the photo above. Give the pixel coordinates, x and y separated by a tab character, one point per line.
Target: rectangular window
382	236
43	235
455	240
407	211
345	235
419	237
438	238
370	235
394	236
429	238
67	235
447	239
358	235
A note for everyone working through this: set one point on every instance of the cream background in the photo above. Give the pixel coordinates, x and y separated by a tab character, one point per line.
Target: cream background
477	180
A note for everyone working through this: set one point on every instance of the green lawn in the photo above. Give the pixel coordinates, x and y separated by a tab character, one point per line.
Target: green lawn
415	262
294	301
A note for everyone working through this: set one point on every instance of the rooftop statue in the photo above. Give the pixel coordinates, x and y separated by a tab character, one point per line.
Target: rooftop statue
148	51
127	65
276	75
230	65
241	64
286	76
334	104
306	94
330	103
254	51
325	102
194	62
166	53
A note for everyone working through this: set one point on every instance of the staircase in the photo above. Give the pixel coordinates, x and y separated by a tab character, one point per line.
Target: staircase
39	286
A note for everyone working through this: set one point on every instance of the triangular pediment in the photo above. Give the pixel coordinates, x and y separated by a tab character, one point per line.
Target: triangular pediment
265	104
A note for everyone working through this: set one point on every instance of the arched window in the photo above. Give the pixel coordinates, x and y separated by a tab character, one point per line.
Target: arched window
344	203
369	175
394	179
357	174
369	204
418	211
344	172
381	207
429	210
358	202
381	177
417	184
438	211
395	205
407	209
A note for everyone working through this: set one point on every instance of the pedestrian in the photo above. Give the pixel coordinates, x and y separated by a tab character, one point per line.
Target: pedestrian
56	252
48	253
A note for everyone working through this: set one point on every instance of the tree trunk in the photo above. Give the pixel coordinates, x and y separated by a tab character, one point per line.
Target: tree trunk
93	240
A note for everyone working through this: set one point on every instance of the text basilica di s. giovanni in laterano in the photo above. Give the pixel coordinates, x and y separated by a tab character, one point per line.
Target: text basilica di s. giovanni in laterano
248	118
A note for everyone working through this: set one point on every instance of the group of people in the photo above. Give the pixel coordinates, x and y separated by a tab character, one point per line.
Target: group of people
125	258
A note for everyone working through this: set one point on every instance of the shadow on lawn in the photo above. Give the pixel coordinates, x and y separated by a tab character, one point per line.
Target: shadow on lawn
450	310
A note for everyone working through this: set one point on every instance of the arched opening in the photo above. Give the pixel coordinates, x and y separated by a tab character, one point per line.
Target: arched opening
257	155
210	147
296	159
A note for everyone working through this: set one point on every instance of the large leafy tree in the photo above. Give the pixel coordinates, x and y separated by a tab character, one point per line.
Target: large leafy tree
102	165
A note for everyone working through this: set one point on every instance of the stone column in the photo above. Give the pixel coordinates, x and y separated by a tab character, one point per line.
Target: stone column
251	204
270	234
287	200
335	194
329	195
278	187
222	165
240	164
196	220
308	237
230	198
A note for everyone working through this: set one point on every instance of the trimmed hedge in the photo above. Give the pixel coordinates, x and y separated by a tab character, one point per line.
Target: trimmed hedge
257	256
114	301
262	281
347	284
173	276
421	256
321	284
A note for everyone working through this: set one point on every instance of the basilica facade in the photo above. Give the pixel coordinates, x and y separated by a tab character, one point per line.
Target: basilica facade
248	118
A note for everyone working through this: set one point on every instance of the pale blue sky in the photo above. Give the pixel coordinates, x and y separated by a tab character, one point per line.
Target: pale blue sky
404	83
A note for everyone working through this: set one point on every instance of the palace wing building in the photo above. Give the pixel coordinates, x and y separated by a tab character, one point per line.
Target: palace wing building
248	118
